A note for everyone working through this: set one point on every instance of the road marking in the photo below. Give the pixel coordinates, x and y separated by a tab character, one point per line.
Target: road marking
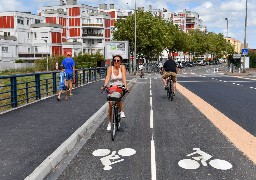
204	158
153	160
151	102
151	119
242	139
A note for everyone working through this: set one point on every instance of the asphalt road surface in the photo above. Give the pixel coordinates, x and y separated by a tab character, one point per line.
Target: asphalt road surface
162	139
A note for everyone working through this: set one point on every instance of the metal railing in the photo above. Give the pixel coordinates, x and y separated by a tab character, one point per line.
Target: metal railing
20	89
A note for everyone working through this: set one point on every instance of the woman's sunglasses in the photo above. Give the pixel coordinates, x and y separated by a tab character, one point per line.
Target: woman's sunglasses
116	60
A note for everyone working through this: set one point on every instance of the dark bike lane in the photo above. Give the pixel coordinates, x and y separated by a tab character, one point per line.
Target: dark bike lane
186	144
28	135
189	146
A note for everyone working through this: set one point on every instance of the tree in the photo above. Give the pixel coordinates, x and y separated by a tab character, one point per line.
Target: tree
151	36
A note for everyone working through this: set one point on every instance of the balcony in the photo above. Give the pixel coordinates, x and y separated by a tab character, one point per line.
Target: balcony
32	56
95	26
93	36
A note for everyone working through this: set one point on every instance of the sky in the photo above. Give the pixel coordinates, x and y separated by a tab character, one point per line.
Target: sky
212	12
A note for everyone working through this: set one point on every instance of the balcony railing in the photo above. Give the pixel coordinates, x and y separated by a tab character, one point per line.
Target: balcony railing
92	34
32	55
93	25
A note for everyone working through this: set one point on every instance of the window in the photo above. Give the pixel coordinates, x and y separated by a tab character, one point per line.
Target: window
20	21
99	41
99	20
27	21
7	34
4	49
28	35
35	35
37	21
44	35
92	41
36	50
29	50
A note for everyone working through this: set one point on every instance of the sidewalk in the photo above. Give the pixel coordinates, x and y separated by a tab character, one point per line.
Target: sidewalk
28	135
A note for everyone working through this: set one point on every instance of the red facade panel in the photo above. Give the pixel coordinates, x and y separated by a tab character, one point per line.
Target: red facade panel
74	32
56	37
112	22
56	50
64	33
75	11
51	20
74	22
107	23
65	50
107	33
1	22
112	14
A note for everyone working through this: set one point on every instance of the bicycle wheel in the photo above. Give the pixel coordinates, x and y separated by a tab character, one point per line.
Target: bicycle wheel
113	128
170	91
167	90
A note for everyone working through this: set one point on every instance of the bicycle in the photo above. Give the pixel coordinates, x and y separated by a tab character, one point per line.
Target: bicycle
169	90
115	95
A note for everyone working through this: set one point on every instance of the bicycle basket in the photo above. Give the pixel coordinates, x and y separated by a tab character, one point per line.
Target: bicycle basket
114	93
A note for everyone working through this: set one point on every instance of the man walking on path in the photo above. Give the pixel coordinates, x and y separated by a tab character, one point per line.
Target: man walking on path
69	65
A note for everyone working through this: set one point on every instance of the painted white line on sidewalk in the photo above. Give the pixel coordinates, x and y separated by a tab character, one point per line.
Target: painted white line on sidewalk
153	160
151	119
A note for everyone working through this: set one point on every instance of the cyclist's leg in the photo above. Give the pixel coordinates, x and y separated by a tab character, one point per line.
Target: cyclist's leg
120	106
110	104
174	80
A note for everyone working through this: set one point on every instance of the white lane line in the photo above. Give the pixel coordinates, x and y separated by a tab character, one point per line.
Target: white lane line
151	119
153	160
150	102
150	92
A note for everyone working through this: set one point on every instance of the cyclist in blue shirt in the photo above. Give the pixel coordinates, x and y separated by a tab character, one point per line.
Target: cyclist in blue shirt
69	65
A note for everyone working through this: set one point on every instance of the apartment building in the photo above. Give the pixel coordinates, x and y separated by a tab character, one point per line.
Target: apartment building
85	28
236	44
71	27
15	29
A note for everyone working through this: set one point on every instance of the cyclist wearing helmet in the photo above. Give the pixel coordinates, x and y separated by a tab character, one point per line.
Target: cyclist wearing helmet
69	65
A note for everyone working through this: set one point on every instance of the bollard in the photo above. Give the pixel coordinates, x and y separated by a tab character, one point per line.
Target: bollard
239	70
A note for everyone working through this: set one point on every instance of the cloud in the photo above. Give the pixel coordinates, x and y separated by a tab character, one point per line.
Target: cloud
212	12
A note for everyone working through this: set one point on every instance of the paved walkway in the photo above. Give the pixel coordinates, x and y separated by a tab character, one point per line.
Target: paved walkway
28	135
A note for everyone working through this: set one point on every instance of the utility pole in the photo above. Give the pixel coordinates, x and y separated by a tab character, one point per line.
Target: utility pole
227	40
245	25
135	39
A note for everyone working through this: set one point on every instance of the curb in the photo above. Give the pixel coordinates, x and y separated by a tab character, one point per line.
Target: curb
87	129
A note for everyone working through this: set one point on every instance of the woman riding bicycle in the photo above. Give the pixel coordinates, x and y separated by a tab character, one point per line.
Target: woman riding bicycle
116	76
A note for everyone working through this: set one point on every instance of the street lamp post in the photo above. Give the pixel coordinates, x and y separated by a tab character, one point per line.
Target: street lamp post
226	40
245	25
47	60
135	39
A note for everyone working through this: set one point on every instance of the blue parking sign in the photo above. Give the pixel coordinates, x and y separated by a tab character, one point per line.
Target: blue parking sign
244	51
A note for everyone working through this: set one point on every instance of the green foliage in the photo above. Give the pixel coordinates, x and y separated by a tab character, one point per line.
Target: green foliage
153	35
252	60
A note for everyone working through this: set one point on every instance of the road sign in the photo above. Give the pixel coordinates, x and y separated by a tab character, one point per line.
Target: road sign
245	51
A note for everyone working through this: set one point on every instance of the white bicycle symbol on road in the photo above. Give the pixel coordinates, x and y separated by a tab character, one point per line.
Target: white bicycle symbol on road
112	158
194	164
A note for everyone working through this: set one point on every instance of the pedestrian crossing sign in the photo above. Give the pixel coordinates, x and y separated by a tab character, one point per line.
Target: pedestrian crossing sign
244	51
